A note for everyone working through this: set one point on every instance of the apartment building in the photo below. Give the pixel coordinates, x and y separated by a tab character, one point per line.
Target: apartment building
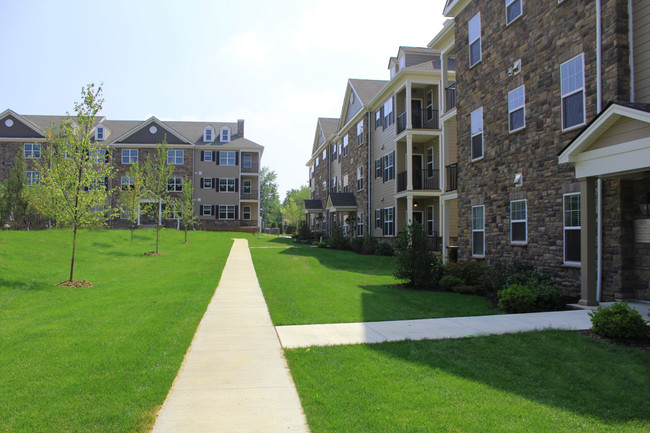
553	139
223	165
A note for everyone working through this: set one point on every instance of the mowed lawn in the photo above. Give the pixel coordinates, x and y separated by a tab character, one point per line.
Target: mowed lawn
304	285
542	382
98	359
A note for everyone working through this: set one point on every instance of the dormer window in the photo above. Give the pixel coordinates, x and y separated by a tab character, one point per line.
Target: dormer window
225	134
402	62
100	133
208	134
392	71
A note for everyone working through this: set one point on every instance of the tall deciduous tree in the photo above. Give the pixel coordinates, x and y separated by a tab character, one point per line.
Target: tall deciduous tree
132	194
185	204
74	171
157	173
292	208
269	198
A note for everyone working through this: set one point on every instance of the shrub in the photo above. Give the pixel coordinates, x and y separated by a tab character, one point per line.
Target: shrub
384	249
450	282
516	298
337	239
369	244
500	275
413	260
471	272
303	231
619	320
322	244
356	245
547	297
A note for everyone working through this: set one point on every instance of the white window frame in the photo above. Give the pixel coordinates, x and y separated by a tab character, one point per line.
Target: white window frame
176	156
516	219
227	184
175	184
247	160
228	209
378	214
224	135
360	218
474	36
379	117
430	221
566	227
207	207
345	183
126	182
207	183
389	167
173	211
225	158
97	156
389	117
246	210
32	150
430	162
32	177
208	134
478	230
521	10
247	186
346	148
476	131
566	93
389	223
360	178
207	156
516	102
100	133
360	133
129	156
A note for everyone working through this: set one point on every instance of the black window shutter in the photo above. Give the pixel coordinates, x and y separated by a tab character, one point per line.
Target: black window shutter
236	212
202	159
216	184
236	185
214	181
384	164
216	159
214	155
382	212
107	157
394	222
236	158
392	169
201	178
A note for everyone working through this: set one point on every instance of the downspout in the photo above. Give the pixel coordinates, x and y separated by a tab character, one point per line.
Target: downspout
369	181
599	107
630	14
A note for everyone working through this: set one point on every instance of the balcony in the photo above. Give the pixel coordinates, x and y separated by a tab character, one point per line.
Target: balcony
420	119
250	168
452	177
249	195
450	96
422	180
434	243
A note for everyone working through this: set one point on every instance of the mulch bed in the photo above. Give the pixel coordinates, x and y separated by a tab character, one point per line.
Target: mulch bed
76	283
152	253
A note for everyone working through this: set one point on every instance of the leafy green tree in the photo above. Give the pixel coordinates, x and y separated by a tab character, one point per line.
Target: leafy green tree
413	260
156	178
185	204
74	171
4	214
16	204
269	198
292	208
130	196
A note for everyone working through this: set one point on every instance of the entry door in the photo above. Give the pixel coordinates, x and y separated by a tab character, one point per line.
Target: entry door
416	113
417	171
418	217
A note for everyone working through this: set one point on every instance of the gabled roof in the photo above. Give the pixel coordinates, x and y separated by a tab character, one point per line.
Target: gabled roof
25	129
313	206
193	131
341	202
137	131
325	128
453	7
366	90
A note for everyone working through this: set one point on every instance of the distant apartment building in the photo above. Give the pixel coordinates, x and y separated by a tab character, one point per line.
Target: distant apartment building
224	167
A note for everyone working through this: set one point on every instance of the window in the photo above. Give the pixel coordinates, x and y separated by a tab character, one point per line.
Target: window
208	134
248	160
477	133
97	156
345	184
175	157
334	149
99	133
206	210
173	211
573	92
174	184
227	184
518	222
324	187
246	212
360	224
572	223
429	106
345	145
378	223
316	162
206	183
129	156
389	116
32	150
430	162
475	40
513	10
360	133
359	178
32	178
227	158
227	212
246	184
430	231
516	109
478	231
378	167
334	184
378	118
127	182
207	155
389	221
389	167
225	134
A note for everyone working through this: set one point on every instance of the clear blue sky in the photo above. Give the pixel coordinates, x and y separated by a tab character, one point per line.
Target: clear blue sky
278	64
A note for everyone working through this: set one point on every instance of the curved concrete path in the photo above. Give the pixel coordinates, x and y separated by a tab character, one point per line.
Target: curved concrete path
234	377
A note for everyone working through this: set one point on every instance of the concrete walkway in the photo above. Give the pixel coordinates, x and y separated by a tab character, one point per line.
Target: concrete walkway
454	327
234	377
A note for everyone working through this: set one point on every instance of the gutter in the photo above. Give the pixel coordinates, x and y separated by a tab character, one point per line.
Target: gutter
599	107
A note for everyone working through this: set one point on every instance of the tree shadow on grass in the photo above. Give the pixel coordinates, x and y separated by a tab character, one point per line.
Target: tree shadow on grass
555	368
345	260
25	285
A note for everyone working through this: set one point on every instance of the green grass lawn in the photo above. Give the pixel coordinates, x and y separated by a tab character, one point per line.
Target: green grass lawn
545	381
102	358
304	285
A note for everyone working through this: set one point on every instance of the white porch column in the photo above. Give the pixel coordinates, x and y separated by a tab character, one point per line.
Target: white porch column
409	162
138	213
588	242
409	114
409	209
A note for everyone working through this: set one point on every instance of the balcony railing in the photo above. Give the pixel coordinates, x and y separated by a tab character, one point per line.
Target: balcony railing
253	168
423	179
450	96
452	177
250	195
434	243
420	119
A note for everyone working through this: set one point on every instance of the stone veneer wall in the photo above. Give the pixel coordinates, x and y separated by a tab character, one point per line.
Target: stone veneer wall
546	35
358	156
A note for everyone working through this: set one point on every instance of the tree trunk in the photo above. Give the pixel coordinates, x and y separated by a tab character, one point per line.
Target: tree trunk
74	248
186	234
132	228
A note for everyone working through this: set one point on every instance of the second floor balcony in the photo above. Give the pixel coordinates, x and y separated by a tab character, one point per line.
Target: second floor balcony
452	177
422	180
249	194
252	167
450	96
426	118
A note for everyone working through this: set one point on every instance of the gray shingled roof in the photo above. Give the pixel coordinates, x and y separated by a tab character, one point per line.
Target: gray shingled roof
329	126
367	89
314	205
343	199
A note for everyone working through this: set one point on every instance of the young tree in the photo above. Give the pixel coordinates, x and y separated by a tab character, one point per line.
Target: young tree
292	208
413	260
269	198
156	178
131	195
185	204
74	171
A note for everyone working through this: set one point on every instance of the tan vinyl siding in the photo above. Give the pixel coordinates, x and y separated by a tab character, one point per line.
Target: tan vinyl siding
451	142
623	131
452	205
641	9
